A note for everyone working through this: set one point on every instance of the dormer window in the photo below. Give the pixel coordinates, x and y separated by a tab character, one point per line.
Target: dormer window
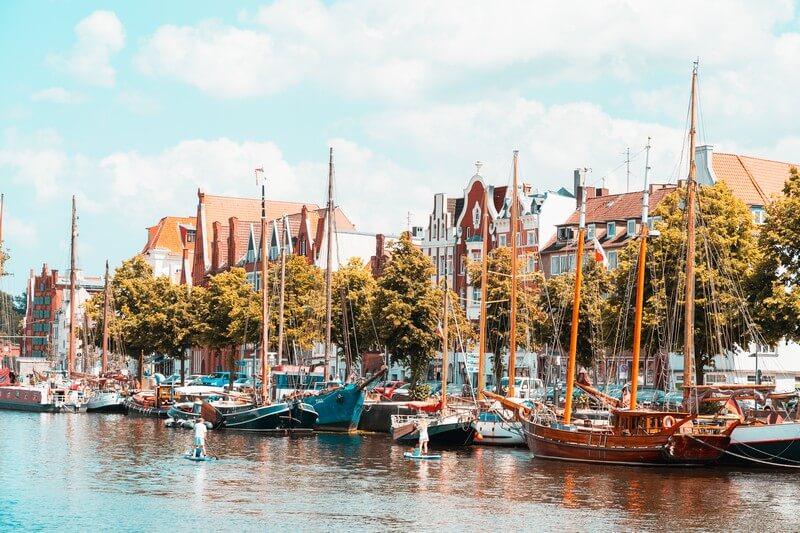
190	235
631	228
564	234
611	230
590	231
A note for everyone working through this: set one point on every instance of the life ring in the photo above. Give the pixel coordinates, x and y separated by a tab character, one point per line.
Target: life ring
669	421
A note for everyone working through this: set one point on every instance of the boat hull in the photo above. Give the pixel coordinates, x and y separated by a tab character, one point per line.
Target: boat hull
773	444
496	431
456	433
339	410
135	409
25	399
106	403
274	418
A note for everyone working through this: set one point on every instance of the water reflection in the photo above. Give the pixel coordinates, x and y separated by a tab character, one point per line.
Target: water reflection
128	473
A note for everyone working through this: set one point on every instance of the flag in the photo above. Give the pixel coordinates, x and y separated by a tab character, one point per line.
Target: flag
257	171
733	408
599	254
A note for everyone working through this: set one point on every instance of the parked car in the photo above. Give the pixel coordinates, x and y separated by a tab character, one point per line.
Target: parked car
194	379
247	383
220	379
401	393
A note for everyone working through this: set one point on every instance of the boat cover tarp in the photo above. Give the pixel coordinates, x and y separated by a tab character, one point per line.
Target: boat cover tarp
428	407
5	378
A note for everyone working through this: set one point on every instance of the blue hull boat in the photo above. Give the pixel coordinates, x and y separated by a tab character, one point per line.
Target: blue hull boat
339	409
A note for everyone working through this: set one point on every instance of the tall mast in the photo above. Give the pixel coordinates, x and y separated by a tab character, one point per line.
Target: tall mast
104	362
637	328
264	296
512	340
348	356
72	279
576	303
329	270
688	315
283	290
484	292
444	349
2	202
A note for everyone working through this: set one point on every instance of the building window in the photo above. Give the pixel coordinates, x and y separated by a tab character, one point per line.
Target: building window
564	234
462	264
449	266
611	230
501	240
302	247
531	263
612	260
590	231
631	228
758	215
476	294
531	238
554	265
476	215
190	235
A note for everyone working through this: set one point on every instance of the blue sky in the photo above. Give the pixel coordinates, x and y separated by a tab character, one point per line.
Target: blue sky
133	106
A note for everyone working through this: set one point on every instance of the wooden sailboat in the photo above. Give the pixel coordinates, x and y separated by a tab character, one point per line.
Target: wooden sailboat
635	436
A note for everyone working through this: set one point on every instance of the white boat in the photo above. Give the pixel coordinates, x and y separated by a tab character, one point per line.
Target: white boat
37	398
777	444
498	429
106	402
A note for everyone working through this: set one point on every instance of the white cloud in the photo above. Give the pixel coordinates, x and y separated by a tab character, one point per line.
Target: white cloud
57	95
401	50
137	102
24	232
99	36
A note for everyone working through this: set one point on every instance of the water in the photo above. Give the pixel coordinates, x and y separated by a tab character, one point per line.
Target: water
116	473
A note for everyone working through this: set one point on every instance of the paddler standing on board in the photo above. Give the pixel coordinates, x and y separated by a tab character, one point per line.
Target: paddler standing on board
200	431
422	426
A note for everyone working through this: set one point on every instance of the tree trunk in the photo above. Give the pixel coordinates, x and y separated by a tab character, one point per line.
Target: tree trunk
182	358
699	371
140	370
231	367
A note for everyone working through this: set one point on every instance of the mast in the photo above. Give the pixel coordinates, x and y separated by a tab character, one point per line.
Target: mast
688	315
576	302
104	362
2	202
264	297
444	350
512	341
348	356
637	328
484	292
283	291
329	270
72	280
86	366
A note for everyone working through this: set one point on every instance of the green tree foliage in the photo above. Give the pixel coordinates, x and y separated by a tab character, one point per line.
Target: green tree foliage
726	252
304	303
175	320
594	310
408	308
228	314
355	284
12	311
530	318
776	298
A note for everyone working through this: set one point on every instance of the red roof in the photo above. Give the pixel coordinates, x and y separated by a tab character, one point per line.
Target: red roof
618	207
753	180
166	235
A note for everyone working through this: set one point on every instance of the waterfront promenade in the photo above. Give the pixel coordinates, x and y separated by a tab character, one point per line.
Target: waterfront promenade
114	473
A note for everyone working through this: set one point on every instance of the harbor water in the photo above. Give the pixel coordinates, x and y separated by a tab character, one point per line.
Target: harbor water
75	472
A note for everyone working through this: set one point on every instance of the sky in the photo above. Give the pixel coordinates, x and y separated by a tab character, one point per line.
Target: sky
133	106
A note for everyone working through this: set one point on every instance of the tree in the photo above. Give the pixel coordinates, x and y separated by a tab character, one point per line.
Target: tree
12	311
530	317
776	298
175	320
304	303
407	309
229	314
725	254
355	285
594	310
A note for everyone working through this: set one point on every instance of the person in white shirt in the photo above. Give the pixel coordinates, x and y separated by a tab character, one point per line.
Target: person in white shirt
200	431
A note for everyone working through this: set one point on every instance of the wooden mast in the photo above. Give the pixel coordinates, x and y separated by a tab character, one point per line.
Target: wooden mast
484	292
444	349
2	202
688	315
283	290
576	302
637	328
72	283
264	298
104	361
512	340
329	270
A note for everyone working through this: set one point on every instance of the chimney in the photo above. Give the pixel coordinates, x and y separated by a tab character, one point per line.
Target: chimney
233	231
215	247
377	261
184	265
603	191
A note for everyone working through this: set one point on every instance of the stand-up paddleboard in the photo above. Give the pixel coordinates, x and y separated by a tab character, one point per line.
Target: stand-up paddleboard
198	459
409	455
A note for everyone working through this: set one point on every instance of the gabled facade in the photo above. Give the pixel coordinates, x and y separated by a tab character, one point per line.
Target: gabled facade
168	243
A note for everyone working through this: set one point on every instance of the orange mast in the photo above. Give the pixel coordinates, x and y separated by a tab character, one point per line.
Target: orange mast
512	340
573	338
637	328
444	350
484	292
688	315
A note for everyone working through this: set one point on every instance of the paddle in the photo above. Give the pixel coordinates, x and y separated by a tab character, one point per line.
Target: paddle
211	452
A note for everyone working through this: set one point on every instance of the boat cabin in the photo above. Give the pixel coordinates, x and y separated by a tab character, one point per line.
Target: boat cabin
643	422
